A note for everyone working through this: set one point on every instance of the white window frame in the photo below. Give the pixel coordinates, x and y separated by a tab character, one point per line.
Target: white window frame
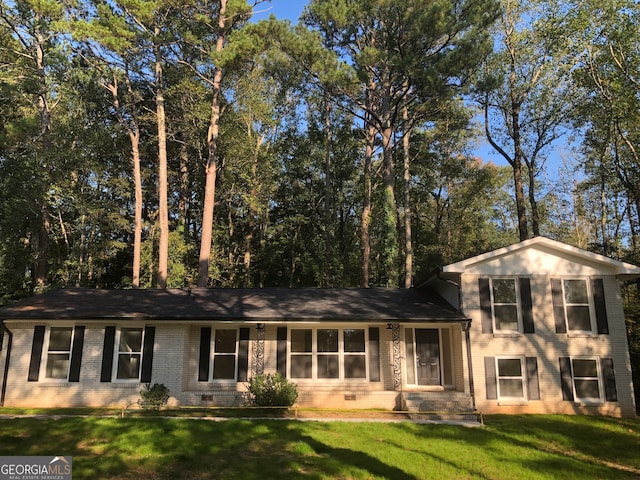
522	376
341	354
117	352
212	360
590	303
46	353
518	305
598	377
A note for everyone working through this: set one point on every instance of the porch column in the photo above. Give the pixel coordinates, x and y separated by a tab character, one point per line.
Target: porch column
397	365
257	359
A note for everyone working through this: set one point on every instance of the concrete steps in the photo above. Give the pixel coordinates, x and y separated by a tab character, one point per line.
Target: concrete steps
445	401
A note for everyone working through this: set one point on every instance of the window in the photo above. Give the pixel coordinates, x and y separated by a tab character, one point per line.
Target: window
511	378
59	353
586	382
588	379
224	354
505	304
576	301
129	353
328	353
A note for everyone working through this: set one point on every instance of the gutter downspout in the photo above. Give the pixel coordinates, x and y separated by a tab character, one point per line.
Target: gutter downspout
5	375
466	326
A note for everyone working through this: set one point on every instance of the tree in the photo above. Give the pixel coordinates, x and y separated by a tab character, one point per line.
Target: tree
526	96
34	36
414	55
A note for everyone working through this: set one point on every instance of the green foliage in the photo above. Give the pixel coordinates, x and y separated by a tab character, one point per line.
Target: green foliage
153	397
272	390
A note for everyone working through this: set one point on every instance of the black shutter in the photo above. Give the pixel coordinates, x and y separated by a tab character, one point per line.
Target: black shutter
281	360
597	286
527	305
147	354
76	354
243	355
558	305
205	354
374	354
36	353
490	377
533	386
566	379
485	305
107	353
609	380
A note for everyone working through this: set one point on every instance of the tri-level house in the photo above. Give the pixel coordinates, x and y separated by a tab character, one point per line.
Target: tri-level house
533	327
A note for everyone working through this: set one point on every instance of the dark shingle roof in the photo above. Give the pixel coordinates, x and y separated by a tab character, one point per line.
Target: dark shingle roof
268	304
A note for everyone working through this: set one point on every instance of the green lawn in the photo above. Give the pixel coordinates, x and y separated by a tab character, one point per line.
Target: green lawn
554	447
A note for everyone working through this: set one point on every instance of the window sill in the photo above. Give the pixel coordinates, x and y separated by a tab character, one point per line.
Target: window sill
582	335
54	383
512	403
507	334
588	403
129	384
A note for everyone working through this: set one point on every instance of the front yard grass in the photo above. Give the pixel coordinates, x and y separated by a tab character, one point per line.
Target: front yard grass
109	447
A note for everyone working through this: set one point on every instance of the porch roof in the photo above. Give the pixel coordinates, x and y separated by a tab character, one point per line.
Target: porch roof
221	304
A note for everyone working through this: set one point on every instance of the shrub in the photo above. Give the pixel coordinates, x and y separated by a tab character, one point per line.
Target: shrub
272	391
153	397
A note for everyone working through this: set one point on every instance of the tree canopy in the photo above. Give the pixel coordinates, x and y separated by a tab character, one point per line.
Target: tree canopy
164	144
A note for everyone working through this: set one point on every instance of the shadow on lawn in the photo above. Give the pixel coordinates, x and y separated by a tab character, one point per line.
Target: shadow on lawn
133	448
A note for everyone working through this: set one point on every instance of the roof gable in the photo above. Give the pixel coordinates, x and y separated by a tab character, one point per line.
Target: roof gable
541	255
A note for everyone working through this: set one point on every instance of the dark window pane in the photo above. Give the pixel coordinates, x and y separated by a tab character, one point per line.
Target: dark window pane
354	340
575	291
587	388
578	318
225	341
355	366
504	290
60	339
301	366
57	365
506	317
130	340
301	340
328	366
128	366
224	367
511	387
327	340
509	367
585	368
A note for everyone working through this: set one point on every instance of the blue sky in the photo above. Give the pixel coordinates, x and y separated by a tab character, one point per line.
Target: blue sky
292	9
282	9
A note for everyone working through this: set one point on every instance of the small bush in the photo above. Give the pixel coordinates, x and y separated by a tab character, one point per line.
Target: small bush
272	391
153	397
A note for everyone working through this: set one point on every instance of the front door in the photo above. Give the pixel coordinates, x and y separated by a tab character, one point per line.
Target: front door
428	356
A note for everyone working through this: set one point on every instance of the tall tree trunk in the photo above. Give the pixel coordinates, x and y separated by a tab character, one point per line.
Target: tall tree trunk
253	211
535	214
137	227
163	182
133	131
370	136
212	161
408	245
521	206
328	194
42	256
